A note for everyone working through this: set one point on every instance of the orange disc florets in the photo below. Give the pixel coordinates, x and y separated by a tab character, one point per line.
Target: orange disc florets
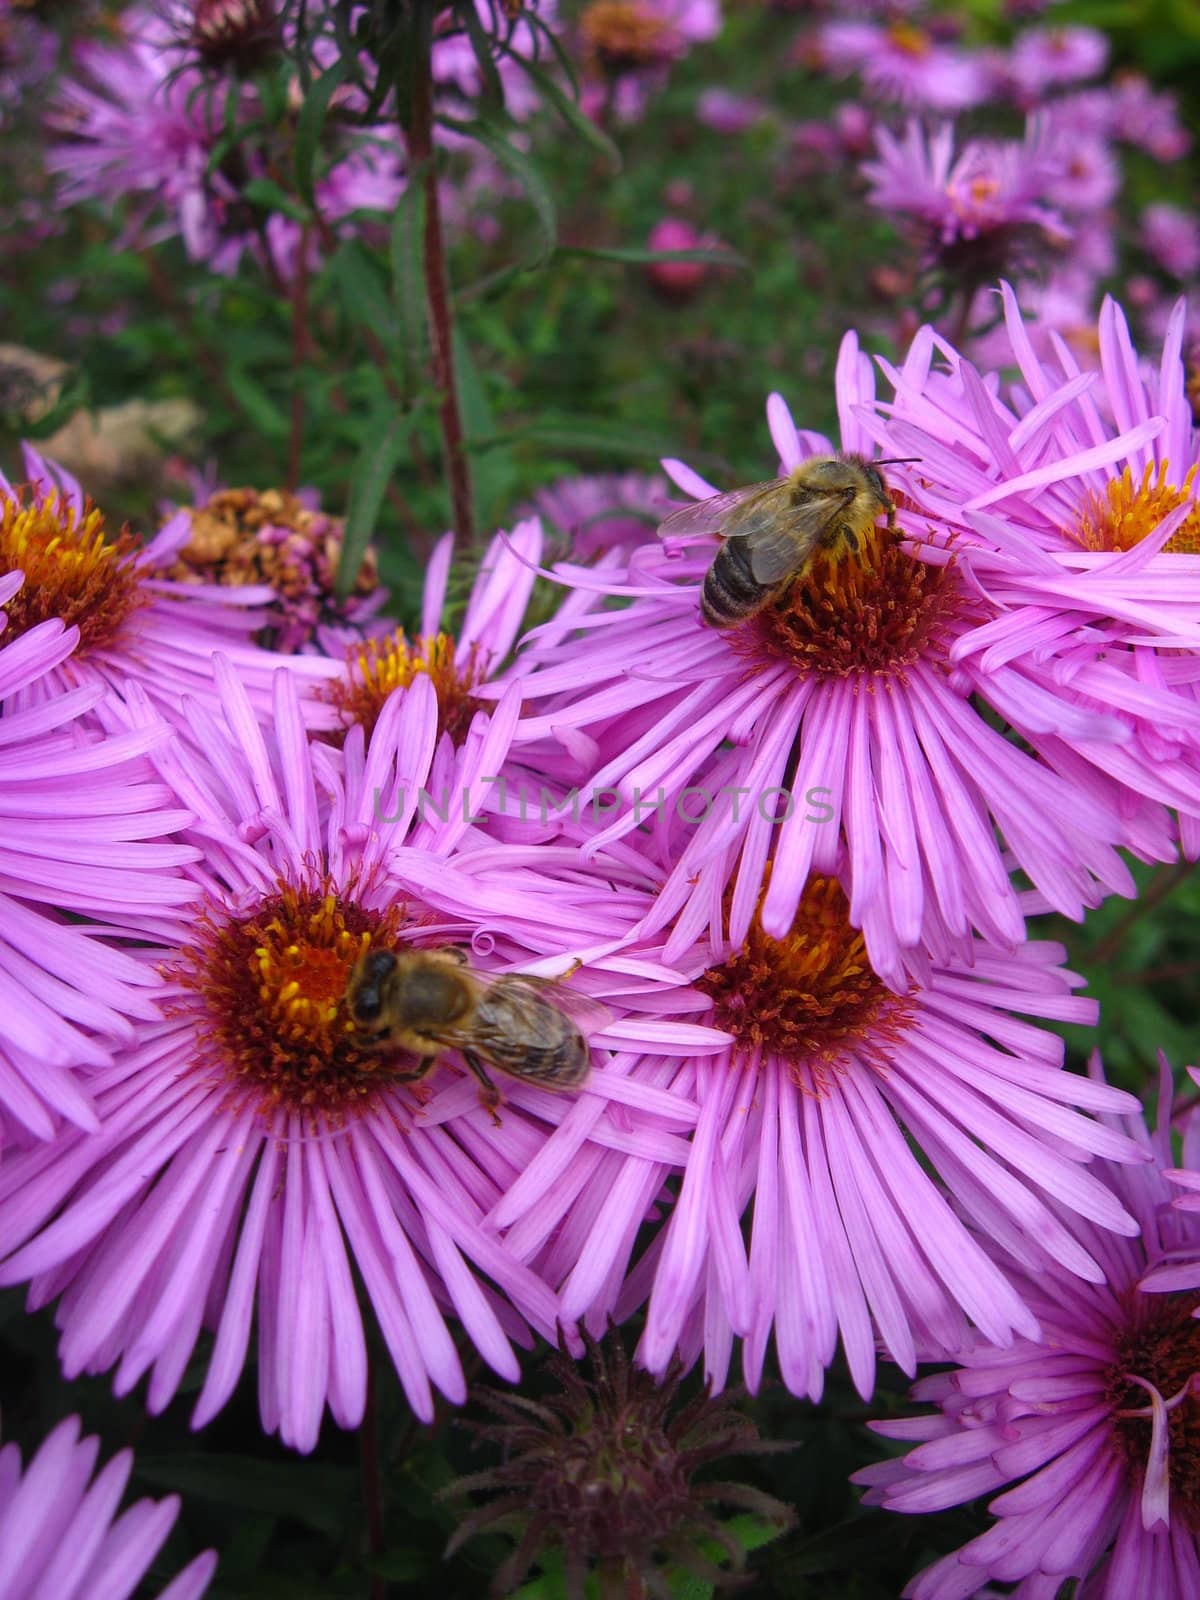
270	989
809	998
72	570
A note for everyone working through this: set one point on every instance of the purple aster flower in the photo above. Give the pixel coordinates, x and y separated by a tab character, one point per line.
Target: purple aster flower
600	512
1089	174
137	622
1091	1434
455	663
60	1536
832	1103
143	116
629	45
85	829
1045	58
28	53
456	68
902	63
1172	237
833	715
1147	119
135	119
251	1136
1076	499
974	211
729	113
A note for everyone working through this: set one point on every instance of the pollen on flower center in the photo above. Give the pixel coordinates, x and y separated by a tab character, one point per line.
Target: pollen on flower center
808	998
379	666
272	989
72	571
1162	1349
1126	512
875	613
620	35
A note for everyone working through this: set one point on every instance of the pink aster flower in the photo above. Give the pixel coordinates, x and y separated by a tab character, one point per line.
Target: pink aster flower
597	513
456	67
812	1115
1172	237
975	209
60	1536
455	661
132	121
141	117
137	621
1089	1435
1045	58
729	113
1076	498
251	1145
902	63
85	829
28	53
833	715
628	47
1147	119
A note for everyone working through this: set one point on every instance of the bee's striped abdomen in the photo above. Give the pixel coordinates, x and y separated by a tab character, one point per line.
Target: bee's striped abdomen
731	592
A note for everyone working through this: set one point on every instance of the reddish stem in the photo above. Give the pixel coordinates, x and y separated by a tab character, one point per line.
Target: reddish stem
437	293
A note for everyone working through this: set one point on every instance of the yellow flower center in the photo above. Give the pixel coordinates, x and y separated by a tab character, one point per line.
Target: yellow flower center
808	998
380	666
910	41
1125	513
873	612
621	35
72	571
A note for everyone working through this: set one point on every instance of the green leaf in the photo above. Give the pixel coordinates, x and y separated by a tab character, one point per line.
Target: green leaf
361	290
402	1566
632	255
258	405
523	170
309	125
271	196
308	1492
491	97
585	433
572	114
408	284
376	463
495	475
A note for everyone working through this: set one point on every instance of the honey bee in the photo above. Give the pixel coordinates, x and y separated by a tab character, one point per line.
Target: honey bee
427	1002
771	532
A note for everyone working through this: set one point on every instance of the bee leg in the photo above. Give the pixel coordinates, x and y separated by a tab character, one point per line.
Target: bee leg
489	1095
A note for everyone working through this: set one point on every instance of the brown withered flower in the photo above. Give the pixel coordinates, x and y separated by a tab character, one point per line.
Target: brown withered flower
605	1471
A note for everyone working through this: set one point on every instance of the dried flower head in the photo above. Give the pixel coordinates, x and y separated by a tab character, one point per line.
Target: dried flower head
247	537
241	35
604	1470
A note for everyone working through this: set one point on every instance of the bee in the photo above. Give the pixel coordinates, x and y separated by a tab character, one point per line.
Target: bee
427	1002
771	532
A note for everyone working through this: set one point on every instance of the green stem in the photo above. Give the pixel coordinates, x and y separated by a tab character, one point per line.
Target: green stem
1164	881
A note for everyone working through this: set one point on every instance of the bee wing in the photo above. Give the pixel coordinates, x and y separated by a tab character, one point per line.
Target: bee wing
717	514
519	1028
787	537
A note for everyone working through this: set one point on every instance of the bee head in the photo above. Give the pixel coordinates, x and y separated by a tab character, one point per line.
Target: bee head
367	981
